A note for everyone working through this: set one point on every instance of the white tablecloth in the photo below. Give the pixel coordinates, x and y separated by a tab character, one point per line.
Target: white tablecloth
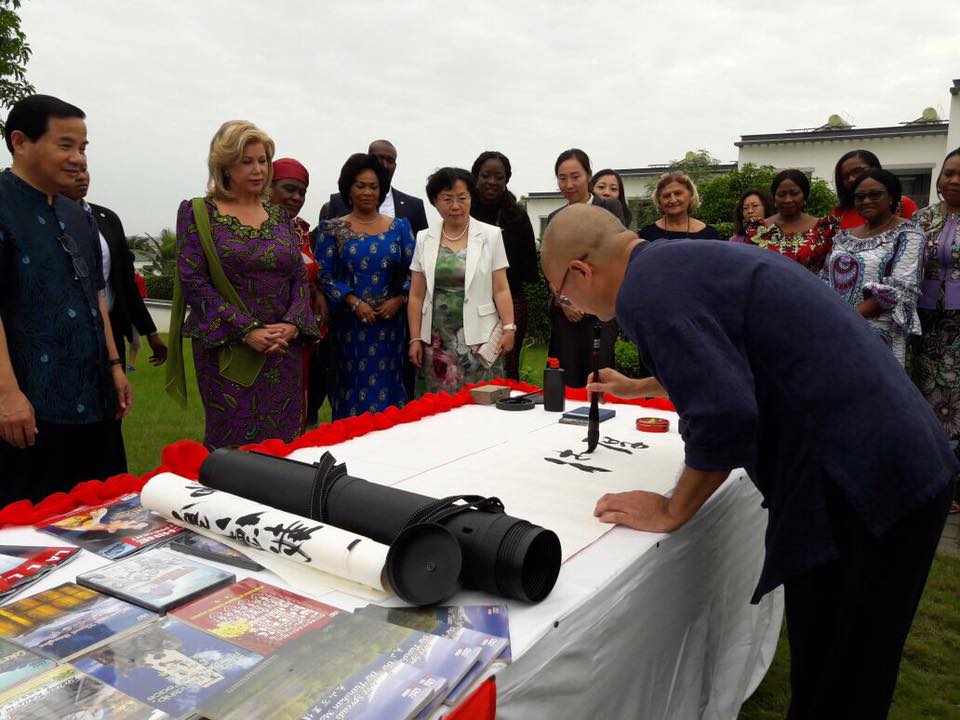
639	625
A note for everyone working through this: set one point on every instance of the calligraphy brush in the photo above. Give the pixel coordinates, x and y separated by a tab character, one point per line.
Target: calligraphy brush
593	424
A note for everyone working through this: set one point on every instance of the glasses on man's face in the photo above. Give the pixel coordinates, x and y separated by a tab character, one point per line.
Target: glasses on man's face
79	264
874	195
561	298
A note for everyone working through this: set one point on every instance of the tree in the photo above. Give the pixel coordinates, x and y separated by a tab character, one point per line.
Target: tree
699	165
14	54
719	194
162	252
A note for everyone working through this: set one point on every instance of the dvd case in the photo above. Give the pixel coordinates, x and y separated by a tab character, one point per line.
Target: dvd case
157	580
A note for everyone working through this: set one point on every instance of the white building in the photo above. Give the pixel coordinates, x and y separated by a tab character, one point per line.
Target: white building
912	150
637	182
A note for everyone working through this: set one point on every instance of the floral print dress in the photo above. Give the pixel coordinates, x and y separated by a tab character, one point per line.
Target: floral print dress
886	267
808	247
266	269
448	362
368	358
936	360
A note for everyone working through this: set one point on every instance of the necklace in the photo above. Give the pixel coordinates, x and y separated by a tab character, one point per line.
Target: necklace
365	222
666	225
458	237
872	232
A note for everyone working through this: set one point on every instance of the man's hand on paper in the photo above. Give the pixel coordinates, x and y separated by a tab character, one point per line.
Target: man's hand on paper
638	509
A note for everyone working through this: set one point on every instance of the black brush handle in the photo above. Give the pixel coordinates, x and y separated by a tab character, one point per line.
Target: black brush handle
593	424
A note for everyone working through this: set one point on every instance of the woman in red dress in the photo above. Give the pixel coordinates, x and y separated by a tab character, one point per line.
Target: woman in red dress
290	182
791	231
849	167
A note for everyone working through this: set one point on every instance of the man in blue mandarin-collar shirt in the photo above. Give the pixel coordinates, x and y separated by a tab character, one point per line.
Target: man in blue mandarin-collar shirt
771	371
62	385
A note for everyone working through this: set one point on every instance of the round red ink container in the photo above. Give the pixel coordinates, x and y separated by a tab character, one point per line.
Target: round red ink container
653	424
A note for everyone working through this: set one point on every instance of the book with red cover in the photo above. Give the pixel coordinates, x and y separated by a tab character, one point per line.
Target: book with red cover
256	615
23	565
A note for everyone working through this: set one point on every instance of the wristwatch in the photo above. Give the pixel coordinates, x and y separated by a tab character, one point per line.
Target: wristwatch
510	326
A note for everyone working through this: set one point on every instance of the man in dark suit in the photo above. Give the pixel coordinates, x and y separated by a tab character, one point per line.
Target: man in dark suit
127	310
396	204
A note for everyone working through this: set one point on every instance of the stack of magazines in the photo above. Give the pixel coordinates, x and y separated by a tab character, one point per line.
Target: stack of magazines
165	635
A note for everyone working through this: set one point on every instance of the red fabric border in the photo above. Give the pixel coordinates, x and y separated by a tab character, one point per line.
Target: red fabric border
184	457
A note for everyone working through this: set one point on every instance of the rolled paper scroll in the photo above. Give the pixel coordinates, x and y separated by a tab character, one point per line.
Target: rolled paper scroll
258	526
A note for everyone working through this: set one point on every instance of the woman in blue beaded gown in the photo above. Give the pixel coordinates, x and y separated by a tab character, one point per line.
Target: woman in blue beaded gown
364	261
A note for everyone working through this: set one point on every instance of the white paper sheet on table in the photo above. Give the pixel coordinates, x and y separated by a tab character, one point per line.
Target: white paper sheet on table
560	497
423	457
303	546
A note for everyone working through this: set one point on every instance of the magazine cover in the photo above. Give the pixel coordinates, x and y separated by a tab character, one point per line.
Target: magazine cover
424	619
113	530
17	664
256	615
157	580
23	565
488	619
65	694
65	620
209	549
384	690
168	665
304	672
431	653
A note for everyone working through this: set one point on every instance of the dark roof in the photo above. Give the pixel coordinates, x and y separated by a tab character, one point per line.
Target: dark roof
657	170
545	195
939	128
649	171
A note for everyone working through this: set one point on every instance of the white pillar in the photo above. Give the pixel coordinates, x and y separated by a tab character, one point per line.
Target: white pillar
953	135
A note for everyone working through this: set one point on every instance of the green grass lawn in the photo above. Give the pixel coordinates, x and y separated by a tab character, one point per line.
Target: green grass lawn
157	420
929	684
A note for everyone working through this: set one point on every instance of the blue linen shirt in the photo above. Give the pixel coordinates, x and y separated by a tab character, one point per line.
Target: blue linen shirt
50	316
773	372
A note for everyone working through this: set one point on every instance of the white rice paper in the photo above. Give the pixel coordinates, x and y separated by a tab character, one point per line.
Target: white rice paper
309	555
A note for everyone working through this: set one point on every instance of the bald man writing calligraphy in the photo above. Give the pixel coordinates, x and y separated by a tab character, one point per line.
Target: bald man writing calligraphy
774	373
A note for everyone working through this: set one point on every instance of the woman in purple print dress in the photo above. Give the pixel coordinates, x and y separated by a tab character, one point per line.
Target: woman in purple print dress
260	255
937	356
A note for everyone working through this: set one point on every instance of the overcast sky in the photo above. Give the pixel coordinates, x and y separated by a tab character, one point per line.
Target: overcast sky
632	83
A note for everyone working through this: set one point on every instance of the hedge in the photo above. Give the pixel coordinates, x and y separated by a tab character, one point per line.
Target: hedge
159	287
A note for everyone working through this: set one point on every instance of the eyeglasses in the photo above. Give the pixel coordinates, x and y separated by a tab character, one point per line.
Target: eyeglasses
561	298
868	194
79	264
451	199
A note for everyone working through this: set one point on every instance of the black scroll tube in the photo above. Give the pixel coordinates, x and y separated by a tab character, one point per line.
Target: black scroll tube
593	423
501	554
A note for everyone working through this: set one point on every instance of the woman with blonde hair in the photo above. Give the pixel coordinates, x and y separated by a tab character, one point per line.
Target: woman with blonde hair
240	271
677	199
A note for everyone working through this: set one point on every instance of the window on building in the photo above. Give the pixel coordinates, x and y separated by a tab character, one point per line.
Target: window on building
916	185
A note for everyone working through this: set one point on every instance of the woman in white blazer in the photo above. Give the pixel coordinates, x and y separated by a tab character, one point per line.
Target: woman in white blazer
460	311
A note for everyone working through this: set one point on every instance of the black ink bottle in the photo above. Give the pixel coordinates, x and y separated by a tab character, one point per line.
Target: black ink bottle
553	386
